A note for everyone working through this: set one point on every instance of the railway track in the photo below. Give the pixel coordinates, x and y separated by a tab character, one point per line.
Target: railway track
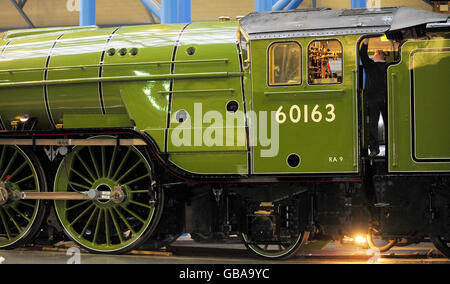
187	252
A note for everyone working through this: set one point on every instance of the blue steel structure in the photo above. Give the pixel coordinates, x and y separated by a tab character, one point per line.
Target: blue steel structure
359	3
170	11
276	5
179	11
154	7
87	13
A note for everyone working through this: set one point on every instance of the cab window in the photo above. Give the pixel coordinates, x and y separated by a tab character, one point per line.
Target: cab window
285	62
390	48
325	62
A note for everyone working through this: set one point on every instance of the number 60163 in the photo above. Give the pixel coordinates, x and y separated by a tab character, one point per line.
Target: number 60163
297	114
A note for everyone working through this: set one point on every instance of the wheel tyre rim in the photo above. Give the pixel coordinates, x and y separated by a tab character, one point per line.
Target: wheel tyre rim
105	226
282	251
18	218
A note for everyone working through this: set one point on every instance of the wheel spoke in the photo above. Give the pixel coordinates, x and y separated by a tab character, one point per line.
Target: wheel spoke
116	225
124	220
97	226
137	179
88	181
108	241
129	171
78	205
94	161
21	214
122	163
113	159
88	222
2	159
141	204
86	167
103	162
82	214
13	220
26	203
133	214
5	225
17	170
24	179
79	185
9	164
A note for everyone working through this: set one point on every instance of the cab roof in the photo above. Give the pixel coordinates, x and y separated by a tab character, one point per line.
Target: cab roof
327	22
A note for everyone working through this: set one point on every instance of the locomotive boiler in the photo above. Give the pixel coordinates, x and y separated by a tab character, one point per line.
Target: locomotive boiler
132	135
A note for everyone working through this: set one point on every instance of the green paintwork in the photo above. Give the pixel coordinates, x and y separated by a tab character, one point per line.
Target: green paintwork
24	33
142	102
432	137
96	120
315	143
20	54
210	40
80	98
136	91
429	60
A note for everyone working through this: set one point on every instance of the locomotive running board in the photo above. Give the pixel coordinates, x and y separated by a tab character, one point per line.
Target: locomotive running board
72	142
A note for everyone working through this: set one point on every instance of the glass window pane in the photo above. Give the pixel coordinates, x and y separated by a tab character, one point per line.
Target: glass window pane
325	65
285	64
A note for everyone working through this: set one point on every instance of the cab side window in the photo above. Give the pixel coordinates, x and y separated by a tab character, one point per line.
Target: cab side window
285	63
325	62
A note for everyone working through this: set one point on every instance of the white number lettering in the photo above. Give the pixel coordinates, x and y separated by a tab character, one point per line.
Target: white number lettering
331	113
299	114
316	115
280	116
295	114
305	114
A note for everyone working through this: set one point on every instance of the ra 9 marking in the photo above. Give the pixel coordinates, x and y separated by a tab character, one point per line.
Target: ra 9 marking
297	114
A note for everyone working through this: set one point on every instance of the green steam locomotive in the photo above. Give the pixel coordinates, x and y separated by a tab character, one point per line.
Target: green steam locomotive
133	135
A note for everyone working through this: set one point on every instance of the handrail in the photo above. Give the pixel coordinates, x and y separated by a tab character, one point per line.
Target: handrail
198	91
123	79
355	144
116	65
392	119
338	91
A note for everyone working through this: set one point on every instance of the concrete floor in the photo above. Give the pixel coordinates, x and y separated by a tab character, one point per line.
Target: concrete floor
185	251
